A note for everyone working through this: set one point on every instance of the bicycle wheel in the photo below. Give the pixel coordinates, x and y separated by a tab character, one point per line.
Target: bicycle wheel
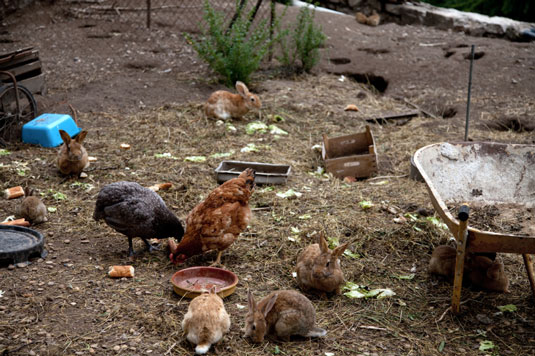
11	118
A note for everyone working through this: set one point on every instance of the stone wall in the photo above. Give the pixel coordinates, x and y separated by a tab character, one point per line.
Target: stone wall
418	13
352	6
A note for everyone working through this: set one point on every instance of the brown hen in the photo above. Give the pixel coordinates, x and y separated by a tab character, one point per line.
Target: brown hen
216	222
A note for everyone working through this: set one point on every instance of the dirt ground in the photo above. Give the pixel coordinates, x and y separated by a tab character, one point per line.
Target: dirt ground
146	88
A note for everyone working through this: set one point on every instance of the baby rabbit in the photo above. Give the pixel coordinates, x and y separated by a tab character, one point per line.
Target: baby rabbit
443	261
225	105
72	156
284	313
488	274
32	208
206	321
318	267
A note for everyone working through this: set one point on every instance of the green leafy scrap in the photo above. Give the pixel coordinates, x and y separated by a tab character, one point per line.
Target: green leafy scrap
508	308
365	204
486	345
275	130
197	159
165	155
289	194
406	276
358	291
57	195
256	126
222	154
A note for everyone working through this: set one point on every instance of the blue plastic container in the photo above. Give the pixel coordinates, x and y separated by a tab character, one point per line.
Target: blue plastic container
44	129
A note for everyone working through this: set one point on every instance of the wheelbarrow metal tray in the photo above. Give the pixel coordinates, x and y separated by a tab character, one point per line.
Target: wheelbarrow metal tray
266	173
480	173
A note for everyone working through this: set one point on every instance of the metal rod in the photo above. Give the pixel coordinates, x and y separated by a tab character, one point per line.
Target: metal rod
271	29
469	94
148	13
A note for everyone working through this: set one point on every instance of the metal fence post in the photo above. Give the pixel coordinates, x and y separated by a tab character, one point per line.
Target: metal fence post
271	29
148	12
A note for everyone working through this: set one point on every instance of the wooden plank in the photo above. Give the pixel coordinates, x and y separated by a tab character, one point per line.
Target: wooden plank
7	62
23	69
347	145
35	84
359	166
15	53
385	118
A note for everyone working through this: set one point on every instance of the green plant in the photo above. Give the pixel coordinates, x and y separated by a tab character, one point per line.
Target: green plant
306	38
235	52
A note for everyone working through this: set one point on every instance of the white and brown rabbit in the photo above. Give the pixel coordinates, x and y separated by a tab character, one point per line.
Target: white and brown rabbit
206	321
318	267
283	313
32	208
488	274
72	156
225	105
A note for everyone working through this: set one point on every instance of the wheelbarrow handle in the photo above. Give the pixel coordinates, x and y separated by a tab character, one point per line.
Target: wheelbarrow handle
464	212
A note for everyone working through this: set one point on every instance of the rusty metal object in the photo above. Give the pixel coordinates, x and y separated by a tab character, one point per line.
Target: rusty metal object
14	81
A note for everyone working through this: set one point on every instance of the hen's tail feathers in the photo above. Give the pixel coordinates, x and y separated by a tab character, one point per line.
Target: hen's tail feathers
316	332
249	175
202	349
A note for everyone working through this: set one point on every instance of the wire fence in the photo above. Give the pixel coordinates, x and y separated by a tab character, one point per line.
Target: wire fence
184	15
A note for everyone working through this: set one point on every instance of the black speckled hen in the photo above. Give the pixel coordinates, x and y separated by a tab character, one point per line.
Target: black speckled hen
136	211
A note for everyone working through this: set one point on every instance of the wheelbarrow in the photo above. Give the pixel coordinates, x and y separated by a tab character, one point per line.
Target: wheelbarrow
462	174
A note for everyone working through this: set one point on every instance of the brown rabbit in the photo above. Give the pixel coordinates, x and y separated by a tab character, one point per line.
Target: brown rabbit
72	156
283	313
225	105
443	261
373	19
318	267
206	321
32	208
488	274
361	18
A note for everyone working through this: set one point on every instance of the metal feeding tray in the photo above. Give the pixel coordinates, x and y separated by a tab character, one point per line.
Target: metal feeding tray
480	173
18	244
266	173
192	282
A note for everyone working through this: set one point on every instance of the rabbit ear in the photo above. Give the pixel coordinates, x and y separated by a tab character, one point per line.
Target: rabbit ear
65	137
242	89
80	138
323	243
269	305
250	301
337	252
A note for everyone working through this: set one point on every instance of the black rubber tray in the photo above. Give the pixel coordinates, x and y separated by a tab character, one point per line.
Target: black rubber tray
18	244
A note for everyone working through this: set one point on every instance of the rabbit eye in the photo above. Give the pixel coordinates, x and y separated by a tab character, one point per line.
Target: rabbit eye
328	263
254	327
252	99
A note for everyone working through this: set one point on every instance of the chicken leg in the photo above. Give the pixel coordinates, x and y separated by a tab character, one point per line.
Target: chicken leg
217	261
130	248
